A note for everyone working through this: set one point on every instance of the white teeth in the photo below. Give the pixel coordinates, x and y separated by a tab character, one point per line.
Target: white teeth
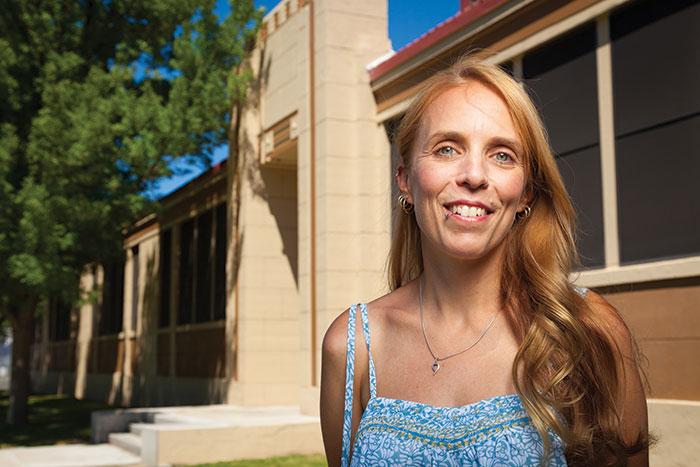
468	211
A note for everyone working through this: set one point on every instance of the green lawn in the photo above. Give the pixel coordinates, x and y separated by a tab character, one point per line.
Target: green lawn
52	420
290	461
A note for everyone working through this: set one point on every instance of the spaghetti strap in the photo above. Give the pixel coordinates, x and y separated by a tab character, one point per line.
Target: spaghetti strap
365	331
349	381
350	376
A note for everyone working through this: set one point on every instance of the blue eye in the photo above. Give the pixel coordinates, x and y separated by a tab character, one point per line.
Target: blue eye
503	157
446	151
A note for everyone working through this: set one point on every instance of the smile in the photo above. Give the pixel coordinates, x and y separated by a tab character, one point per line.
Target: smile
467	212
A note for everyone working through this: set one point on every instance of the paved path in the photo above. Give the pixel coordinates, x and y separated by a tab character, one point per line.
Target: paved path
68	455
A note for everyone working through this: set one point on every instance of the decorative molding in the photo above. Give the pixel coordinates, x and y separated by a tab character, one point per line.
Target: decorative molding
643	272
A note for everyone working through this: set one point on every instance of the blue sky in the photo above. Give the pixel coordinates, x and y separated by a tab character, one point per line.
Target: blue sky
408	19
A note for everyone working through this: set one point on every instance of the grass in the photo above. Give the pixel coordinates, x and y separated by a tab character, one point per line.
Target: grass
288	461
52	420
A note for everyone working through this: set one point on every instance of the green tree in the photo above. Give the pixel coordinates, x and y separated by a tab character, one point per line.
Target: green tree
96	97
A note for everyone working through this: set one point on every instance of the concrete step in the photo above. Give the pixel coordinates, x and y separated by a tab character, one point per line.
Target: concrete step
137	428
127	441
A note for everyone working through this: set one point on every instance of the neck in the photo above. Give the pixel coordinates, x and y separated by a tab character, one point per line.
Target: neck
462	292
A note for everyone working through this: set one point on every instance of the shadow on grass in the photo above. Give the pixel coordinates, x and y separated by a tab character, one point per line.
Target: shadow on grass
52	420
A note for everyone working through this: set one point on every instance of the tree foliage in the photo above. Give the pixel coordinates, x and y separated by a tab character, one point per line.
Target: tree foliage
96	97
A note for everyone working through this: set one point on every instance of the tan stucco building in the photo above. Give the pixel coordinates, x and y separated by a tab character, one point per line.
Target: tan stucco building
228	291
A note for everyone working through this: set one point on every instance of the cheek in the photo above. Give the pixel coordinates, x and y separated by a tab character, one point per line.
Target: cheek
429	182
511	186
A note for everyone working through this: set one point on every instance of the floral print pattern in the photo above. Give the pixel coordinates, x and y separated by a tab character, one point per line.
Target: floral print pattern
492	432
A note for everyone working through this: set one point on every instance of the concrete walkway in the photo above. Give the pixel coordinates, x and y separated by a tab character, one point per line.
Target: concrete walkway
69	455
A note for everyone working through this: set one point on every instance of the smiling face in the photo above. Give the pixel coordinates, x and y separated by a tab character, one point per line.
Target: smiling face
466	177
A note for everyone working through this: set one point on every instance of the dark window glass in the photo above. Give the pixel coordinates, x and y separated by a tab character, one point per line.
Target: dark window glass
186	276
658	192
59	319
165	273
581	173
203	287
656	71
112	310
656	63
220	263
134	285
561	77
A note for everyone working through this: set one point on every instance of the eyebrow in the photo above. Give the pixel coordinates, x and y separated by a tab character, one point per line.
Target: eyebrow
511	143
458	137
443	135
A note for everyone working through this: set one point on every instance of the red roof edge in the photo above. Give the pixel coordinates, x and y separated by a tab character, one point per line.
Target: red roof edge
468	14
210	171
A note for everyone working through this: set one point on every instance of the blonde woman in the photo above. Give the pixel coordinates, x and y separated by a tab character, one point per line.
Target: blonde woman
483	353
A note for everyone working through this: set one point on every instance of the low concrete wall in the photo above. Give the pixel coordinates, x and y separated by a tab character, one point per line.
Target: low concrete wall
198	445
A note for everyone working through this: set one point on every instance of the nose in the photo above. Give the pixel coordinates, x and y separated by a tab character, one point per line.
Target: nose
473	172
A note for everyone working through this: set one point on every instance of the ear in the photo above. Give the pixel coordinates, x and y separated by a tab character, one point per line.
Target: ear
403	182
526	199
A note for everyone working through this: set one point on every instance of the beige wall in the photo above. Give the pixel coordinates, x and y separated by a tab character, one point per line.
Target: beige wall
665	318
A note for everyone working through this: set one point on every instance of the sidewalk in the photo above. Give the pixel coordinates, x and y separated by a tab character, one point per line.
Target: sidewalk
69	455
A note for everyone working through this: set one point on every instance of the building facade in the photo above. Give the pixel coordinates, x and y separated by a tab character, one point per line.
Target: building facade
225	295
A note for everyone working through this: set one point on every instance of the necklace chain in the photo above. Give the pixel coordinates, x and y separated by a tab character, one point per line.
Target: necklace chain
436	360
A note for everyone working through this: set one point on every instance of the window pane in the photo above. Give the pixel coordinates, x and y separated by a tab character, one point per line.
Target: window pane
203	286
186	275
561	78
656	63
135	268
581	173
658	192
656	71
165	272
112	310
220	260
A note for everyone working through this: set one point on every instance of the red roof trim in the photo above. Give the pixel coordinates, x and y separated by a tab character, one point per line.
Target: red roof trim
211	171
435	35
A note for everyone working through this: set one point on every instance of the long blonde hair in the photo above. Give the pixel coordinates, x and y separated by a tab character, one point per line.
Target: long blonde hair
567	363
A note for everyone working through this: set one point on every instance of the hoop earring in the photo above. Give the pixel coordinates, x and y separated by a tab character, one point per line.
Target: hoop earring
525	213
404	204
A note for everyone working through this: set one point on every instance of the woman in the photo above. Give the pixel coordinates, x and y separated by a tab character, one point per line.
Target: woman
483	353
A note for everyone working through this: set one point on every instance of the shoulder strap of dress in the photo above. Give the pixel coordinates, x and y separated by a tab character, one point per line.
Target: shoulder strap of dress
365	331
582	291
349	381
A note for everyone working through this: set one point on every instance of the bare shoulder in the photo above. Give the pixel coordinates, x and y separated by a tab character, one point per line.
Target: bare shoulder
335	339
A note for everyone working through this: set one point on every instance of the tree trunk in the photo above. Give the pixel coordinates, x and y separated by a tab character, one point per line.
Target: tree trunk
22	337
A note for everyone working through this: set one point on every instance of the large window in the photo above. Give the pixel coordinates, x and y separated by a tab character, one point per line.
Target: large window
656	76
561	77
165	275
135	279
202	276
112	310
220	262
186	276
59	319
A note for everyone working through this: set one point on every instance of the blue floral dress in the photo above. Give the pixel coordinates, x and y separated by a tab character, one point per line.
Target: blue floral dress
492	432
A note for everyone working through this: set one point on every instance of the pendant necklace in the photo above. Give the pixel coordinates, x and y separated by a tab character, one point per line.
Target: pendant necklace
436	360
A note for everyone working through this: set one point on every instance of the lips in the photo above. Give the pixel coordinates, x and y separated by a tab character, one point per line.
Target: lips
468	209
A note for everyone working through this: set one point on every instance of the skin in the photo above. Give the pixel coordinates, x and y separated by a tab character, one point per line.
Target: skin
467	148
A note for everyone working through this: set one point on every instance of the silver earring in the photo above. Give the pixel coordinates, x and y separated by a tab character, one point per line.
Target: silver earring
404	204
525	213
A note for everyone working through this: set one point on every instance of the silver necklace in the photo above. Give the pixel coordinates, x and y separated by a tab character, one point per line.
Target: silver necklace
436	360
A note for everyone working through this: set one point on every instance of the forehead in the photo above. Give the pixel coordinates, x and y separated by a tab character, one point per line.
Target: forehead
469	108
